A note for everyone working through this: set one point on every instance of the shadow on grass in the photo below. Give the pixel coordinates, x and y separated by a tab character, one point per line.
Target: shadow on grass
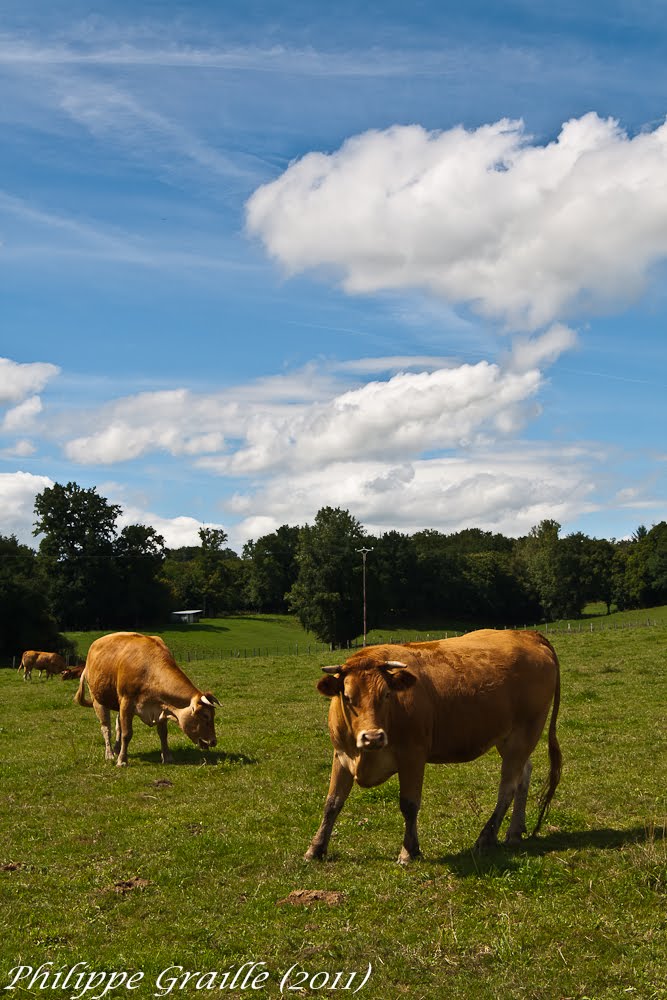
196	758
502	858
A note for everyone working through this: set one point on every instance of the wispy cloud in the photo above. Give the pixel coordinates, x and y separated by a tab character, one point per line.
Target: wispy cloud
45	233
112	112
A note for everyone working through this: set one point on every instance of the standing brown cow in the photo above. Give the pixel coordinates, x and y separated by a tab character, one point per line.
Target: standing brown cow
135	674
396	708
31	660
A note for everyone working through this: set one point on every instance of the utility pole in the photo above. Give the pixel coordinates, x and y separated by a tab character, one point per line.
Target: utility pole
364	553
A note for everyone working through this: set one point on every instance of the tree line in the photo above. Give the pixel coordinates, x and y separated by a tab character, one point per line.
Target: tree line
88	574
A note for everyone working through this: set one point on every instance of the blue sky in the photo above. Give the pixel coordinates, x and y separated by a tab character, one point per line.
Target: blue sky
258	258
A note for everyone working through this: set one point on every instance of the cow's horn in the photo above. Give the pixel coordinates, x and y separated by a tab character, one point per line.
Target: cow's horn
332	670
395	663
207	701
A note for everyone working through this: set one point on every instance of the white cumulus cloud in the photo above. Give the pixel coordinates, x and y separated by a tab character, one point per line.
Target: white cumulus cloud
525	233
507	490
20	380
21	416
402	417
17	501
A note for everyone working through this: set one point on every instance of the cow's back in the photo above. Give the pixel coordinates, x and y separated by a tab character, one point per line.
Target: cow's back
132	666
122	665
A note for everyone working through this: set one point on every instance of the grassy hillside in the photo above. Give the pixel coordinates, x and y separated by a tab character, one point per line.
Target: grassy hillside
147	867
239	635
282	635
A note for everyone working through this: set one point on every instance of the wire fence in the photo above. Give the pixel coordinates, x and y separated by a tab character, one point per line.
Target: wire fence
189	654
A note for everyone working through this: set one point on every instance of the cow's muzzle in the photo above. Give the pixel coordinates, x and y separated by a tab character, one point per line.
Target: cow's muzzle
207	744
372	739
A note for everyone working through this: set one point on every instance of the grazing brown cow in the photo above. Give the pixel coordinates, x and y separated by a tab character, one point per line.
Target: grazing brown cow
135	674
396	708
31	660
71	674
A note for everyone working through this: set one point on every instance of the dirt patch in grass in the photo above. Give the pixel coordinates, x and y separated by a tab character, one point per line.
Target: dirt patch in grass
304	897
129	884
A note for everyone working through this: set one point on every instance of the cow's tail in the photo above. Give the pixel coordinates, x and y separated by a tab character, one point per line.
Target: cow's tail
555	755
20	666
80	696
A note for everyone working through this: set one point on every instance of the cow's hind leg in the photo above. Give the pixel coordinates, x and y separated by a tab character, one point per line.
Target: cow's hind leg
104	715
340	786
517	827
116	746
511	773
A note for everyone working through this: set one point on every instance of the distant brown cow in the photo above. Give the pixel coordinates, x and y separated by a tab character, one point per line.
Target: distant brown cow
31	660
396	708
71	674
135	674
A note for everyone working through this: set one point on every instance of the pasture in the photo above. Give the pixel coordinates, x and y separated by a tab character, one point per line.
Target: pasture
191	865
222	638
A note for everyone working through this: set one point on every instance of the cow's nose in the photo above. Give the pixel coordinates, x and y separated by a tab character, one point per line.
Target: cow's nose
372	739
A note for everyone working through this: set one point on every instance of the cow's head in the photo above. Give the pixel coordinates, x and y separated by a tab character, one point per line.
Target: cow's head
198	720
366	694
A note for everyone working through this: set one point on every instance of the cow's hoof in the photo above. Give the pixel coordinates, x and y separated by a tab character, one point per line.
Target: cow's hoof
405	858
167	759
121	763
514	839
485	843
314	854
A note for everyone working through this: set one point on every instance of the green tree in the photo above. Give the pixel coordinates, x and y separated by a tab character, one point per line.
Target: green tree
327	595
272	569
645	581
496	593
219	573
601	559
441	587
76	552
141	596
25	620
392	575
555	569
181	577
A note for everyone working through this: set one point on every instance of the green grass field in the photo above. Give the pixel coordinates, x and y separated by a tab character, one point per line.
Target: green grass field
135	870
251	635
220	638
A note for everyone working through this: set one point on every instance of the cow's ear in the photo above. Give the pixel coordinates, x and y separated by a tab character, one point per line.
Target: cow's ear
331	685
400	680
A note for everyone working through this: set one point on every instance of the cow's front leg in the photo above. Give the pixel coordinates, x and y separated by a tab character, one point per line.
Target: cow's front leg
125	719
340	786
167	757
410	779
